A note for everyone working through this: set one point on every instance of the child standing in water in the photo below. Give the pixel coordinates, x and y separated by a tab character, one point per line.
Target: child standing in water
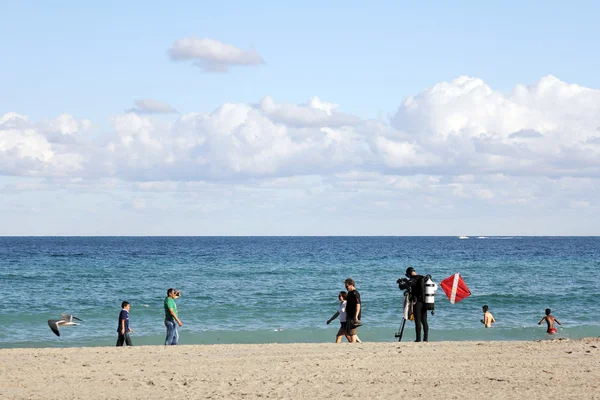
488	318
550	319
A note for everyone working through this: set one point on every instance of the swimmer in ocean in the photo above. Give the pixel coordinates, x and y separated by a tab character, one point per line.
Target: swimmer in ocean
550	319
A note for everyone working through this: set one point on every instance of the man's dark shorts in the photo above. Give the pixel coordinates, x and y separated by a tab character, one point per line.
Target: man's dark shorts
351	328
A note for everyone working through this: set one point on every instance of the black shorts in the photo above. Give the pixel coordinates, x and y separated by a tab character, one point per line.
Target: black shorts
342	330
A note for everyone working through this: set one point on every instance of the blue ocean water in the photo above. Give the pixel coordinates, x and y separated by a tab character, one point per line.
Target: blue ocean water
283	289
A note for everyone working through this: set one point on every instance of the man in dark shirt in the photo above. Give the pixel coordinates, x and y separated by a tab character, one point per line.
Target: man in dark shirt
353	311
123	327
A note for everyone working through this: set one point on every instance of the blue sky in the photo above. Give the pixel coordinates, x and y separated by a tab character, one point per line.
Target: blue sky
92	62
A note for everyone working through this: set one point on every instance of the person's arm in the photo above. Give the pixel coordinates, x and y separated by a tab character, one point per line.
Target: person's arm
557	321
357	312
493	320
175	317
337	313
122	326
542	320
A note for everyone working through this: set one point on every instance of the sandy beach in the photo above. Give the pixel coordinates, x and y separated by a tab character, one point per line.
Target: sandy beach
550	369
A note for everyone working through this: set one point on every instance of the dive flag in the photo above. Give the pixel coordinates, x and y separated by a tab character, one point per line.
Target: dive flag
455	288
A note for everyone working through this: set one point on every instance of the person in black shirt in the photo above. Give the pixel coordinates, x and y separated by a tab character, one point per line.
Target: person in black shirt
353	311
416	284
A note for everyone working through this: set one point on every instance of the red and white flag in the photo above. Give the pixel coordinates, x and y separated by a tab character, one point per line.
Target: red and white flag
455	288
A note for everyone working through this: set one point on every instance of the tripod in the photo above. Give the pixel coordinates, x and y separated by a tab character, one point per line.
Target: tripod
405	314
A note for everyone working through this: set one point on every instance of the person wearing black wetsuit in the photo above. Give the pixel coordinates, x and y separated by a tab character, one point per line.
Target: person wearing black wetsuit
416	283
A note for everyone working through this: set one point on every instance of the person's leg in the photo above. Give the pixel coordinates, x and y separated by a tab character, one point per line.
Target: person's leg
340	333
425	324
120	340
127	339
417	313
175	333
351	333
358	339
170	327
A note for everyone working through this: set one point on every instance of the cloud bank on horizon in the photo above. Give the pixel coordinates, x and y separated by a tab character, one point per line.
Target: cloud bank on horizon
464	127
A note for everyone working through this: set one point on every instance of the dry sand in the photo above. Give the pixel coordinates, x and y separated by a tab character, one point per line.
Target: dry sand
552	369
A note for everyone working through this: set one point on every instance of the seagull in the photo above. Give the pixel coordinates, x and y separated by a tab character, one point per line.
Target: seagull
66	320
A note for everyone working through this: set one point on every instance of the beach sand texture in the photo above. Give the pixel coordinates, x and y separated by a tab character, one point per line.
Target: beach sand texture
550	369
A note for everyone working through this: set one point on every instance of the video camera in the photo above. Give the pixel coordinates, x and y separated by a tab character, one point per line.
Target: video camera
402	284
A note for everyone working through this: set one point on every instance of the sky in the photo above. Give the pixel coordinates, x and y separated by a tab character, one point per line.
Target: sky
299	118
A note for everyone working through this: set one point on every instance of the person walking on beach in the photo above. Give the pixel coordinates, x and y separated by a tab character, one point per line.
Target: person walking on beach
353	311
550	319
416	284
341	312
171	317
123	326
488	318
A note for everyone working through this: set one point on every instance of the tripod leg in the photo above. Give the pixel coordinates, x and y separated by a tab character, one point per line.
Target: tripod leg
402	330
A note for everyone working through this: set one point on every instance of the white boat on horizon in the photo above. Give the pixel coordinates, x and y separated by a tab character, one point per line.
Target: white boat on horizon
463	237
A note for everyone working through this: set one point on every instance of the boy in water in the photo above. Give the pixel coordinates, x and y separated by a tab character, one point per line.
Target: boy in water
488	318
550	319
123	327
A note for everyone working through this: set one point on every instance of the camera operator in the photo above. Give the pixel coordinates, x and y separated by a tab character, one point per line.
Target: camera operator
415	284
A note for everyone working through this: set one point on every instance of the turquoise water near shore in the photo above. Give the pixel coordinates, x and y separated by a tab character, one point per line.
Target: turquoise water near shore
283	289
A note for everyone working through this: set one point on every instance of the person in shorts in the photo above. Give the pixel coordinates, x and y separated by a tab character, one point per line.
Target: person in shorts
341	312
550	320
353	311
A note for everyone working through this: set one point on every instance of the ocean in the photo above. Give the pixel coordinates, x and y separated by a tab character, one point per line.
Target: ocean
283	289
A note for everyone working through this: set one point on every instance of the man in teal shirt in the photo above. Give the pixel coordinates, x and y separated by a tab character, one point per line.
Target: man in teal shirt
171	318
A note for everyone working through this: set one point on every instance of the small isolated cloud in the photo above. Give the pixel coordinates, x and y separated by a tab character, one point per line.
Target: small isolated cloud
525	134
151	106
211	55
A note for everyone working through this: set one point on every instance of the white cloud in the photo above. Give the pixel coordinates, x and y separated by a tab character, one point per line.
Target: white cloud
151	106
37	149
211	55
546	129
315	113
580	204
462	129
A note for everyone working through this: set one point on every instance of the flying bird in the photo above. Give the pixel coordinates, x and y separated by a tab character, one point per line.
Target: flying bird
65	320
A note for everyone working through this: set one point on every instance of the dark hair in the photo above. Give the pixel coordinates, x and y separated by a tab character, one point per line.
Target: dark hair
124	304
170	290
485	308
349	282
409	272
547	311
343	294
